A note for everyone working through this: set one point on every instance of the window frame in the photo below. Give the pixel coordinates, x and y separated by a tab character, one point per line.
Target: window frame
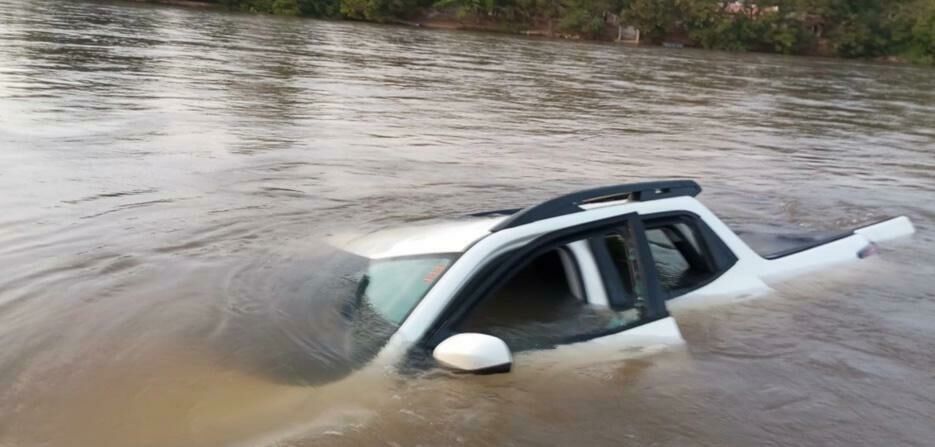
617	297
576	277
717	255
496	272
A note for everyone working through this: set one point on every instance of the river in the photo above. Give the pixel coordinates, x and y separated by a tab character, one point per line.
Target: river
166	174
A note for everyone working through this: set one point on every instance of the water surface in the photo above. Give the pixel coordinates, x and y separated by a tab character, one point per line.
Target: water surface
167	175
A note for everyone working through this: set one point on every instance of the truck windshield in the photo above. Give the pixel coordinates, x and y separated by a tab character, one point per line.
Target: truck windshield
394	286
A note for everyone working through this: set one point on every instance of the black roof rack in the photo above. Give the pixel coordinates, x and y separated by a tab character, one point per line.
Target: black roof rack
570	203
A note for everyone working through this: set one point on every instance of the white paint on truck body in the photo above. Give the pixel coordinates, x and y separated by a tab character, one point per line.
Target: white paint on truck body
750	276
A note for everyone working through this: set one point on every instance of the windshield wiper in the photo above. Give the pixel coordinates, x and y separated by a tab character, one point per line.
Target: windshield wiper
361	288
350	307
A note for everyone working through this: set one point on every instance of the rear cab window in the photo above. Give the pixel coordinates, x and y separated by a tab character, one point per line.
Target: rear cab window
686	253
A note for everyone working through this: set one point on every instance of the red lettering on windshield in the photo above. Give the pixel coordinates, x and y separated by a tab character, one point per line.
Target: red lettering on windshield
434	274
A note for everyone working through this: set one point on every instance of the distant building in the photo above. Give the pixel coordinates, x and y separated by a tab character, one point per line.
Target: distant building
752	10
628	34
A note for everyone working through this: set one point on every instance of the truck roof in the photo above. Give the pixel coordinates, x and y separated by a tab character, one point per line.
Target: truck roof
453	236
457	235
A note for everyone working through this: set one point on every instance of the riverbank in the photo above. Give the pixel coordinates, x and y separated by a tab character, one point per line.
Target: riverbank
441	19
898	32
183	3
449	20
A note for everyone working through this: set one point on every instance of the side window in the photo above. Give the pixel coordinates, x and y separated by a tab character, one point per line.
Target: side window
537	308
682	259
623	257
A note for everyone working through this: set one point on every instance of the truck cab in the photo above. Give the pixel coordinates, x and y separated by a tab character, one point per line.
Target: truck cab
603	265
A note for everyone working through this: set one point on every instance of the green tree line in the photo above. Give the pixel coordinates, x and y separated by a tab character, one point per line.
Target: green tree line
847	28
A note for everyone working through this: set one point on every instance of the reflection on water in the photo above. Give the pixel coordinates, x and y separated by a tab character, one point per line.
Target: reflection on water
167	175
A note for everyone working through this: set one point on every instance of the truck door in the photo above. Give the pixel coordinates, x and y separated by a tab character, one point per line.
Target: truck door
523	297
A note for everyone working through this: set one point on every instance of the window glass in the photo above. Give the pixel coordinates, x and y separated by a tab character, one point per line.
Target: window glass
536	309
620	255
393	287
686	231
621	247
678	255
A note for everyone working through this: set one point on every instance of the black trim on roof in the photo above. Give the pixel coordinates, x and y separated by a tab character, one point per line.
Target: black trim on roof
570	203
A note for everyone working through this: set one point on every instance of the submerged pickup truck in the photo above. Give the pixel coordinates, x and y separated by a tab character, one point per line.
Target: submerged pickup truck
601	265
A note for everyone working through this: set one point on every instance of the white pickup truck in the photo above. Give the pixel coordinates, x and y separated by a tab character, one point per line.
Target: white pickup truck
602	265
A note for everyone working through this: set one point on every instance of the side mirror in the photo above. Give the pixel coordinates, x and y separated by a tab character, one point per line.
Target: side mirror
474	353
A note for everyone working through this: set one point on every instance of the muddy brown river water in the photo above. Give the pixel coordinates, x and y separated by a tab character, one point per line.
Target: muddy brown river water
166	175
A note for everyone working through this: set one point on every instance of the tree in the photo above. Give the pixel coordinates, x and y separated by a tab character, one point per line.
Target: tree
378	10
654	18
913	35
587	17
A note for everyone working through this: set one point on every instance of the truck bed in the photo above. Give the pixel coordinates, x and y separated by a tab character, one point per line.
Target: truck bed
775	246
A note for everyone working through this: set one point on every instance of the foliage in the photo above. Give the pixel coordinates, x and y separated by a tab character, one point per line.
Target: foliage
914	32
655	18
378	10
469	7
313	8
586	17
319	8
